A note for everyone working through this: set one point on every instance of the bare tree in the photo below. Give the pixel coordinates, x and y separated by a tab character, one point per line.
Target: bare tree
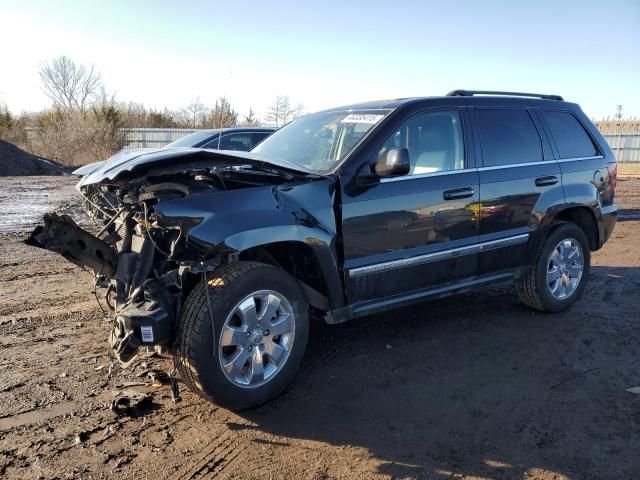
68	85
297	111
222	115
280	111
6	119
195	112
102	97
250	120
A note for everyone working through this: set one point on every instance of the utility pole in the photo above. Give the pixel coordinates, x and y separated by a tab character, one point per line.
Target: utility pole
619	119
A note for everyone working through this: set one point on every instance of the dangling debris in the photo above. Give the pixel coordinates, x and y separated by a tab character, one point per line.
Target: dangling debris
130	403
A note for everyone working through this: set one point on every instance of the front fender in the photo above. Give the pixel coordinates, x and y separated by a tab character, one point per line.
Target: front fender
321	243
232	221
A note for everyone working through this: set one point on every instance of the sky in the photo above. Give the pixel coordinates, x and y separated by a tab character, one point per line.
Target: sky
326	53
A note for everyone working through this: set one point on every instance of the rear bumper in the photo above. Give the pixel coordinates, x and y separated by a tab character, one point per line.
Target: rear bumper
606	223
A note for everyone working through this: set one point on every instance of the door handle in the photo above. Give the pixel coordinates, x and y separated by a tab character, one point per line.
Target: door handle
545	181
457	193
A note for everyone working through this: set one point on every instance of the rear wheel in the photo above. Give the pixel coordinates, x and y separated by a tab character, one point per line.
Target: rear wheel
259	335
560	271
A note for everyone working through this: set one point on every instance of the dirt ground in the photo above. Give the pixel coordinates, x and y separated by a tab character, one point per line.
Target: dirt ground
474	386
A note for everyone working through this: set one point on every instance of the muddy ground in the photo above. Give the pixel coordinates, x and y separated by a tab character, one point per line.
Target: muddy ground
473	386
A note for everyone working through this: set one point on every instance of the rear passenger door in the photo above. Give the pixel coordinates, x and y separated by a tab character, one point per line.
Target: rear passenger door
584	168
519	179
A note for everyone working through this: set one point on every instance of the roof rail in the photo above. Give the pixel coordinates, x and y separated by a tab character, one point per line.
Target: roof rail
471	93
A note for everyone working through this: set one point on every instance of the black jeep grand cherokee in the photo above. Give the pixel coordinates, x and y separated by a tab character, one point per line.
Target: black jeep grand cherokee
222	256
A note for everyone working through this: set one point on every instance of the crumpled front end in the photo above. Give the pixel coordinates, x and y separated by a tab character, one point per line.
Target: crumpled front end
134	264
144	263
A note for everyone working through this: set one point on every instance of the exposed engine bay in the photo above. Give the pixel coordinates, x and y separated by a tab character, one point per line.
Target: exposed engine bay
145	261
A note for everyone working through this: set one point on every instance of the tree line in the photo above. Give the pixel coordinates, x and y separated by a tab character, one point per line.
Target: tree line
70	86
84	121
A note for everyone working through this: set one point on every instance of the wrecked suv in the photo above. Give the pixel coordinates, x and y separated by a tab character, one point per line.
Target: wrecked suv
221	257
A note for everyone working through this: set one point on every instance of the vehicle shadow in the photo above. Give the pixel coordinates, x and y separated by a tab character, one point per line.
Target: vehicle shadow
476	385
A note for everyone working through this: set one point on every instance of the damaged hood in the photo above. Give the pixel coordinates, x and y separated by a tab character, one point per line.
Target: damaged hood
122	155
134	161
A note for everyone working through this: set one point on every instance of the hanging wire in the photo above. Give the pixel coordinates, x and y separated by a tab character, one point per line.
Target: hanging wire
146	229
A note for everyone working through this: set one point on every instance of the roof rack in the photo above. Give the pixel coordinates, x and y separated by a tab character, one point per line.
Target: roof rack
471	93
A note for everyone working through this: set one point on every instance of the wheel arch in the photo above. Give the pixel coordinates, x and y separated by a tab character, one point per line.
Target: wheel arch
580	215
584	218
309	262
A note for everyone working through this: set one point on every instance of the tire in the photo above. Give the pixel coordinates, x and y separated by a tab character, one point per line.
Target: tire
200	353
535	289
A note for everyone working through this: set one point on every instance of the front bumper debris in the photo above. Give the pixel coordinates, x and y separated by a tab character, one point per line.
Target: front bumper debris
143	307
62	235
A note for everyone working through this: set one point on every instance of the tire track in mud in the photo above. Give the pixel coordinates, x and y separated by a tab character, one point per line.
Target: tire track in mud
231	460
22	325
262	464
214	456
37	414
13	317
223	457
42	273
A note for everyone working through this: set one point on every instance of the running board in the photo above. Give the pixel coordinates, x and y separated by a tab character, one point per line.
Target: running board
369	307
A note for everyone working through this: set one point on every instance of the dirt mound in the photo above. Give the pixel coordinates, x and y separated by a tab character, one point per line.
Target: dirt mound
16	162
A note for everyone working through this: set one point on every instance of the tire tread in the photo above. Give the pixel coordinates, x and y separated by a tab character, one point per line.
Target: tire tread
527	286
195	312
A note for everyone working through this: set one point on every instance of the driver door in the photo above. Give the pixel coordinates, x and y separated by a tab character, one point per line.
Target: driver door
414	232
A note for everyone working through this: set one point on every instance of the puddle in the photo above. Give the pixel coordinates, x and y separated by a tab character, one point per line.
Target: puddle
23	200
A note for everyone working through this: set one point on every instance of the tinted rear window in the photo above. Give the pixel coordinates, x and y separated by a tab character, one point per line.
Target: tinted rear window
259	136
508	136
571	139
192	139
236	141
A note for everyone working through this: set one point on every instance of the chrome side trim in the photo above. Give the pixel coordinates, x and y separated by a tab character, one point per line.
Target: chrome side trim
425	175
562	160
503	242
545	162
514	165
437	256
483	169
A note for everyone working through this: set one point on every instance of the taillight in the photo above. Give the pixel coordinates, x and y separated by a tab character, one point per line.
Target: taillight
613	176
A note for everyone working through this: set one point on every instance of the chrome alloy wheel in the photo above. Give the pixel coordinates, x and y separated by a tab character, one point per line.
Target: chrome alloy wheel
256	339
564	268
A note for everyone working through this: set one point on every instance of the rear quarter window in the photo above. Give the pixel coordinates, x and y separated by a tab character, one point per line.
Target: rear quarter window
236	141
571	138
259	136
508	136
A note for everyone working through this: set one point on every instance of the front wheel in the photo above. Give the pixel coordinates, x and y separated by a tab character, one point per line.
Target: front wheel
260	331
560	271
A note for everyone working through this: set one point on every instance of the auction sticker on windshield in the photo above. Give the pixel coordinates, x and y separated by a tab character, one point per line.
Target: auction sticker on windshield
362	118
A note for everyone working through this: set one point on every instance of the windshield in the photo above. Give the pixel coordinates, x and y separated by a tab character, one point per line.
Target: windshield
192	139
319	141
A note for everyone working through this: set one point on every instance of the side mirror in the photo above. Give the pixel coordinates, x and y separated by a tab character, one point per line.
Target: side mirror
393	163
